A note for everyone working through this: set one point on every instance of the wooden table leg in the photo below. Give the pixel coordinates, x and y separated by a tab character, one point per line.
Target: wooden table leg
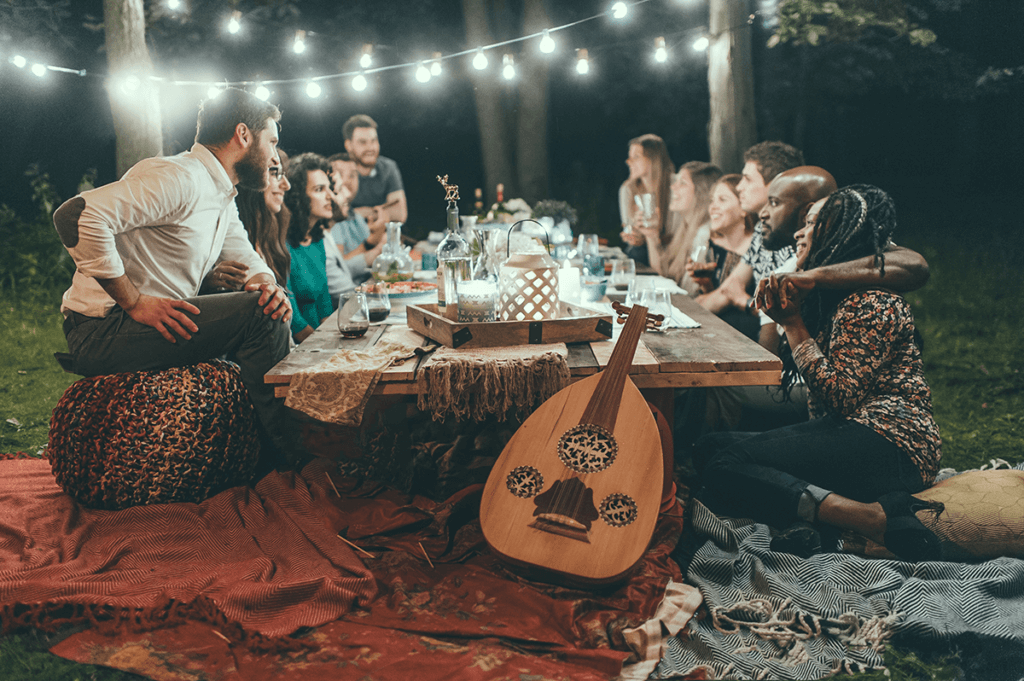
663	399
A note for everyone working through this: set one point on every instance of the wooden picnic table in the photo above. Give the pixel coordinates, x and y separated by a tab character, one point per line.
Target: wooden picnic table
713	355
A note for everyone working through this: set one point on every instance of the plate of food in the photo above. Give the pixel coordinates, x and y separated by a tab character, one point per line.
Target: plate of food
410	289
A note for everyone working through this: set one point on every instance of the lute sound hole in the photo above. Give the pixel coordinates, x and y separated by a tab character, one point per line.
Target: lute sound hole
587	448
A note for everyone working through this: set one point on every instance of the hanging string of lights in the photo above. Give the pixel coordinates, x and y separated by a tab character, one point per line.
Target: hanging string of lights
423	70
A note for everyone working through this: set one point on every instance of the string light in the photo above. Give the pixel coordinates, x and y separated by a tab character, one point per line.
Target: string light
422	73
701	43
547	43
582	61
435	68
299	44
235	22
480	60
313	89
359	83
39	70
131	84
619	10
213	92
262	92
367	59
174	5
660	53
508	71
19	61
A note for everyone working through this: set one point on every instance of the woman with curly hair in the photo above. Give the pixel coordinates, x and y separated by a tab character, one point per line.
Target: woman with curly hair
871	441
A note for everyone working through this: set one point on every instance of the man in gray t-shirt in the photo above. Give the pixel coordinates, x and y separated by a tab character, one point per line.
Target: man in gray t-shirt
381	193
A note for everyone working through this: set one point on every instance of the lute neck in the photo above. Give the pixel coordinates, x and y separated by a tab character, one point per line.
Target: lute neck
603	408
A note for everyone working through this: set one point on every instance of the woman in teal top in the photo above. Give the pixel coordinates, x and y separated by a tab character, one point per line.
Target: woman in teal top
310	201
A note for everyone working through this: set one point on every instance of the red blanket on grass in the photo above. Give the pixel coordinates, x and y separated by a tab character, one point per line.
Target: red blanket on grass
255	584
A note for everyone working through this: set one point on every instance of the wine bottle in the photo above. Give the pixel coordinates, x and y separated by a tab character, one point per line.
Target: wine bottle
453	260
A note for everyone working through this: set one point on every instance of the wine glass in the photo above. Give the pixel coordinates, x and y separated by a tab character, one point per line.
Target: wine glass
353	314
647	208
623	272
701	267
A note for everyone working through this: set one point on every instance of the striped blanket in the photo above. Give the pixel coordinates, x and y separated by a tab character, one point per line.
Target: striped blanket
777	616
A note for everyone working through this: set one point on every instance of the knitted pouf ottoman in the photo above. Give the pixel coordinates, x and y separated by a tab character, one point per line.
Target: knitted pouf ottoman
153	437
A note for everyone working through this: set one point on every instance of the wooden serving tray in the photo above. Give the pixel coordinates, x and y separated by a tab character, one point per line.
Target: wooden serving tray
575	324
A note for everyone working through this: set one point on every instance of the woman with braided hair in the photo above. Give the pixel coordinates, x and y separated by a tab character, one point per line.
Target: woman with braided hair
871	441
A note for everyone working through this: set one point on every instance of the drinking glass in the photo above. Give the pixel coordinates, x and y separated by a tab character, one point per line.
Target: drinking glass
353	314
623	273
701	266
647	208
657	301
636	288
589	250
378	304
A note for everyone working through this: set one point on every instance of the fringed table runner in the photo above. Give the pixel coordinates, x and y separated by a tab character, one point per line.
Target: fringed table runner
502	381
337	390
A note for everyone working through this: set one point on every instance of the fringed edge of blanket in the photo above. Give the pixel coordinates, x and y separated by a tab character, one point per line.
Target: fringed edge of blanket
165	613
509	387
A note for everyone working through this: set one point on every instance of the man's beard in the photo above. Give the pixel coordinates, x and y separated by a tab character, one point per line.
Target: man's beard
774	239
252	170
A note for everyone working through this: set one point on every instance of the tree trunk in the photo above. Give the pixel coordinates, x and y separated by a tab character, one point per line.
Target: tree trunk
532	137
732	127
490	112
137	125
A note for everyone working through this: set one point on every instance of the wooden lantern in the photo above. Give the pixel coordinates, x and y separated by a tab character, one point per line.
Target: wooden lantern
528	288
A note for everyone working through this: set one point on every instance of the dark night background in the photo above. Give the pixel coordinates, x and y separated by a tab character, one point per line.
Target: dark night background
914	121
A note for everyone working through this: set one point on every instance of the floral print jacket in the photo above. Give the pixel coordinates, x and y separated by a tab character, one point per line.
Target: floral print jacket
867	367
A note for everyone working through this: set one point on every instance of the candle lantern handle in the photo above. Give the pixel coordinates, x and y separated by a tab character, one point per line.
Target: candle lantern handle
508	235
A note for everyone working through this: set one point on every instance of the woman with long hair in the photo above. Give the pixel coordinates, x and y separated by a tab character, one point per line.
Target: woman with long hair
650	172
871	441
265	219
689	198
310	202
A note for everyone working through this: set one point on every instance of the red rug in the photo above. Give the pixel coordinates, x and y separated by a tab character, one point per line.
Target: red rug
255	584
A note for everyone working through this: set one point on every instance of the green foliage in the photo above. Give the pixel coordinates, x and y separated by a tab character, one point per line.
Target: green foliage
25	657
32	256
812	22
558	210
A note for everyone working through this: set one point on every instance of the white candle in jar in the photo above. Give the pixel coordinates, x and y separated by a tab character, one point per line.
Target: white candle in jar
477	300
569	284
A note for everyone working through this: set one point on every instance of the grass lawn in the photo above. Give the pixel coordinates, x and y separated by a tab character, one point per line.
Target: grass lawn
969	314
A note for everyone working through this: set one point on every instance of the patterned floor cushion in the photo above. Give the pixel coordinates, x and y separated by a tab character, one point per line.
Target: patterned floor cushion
983	518
153	437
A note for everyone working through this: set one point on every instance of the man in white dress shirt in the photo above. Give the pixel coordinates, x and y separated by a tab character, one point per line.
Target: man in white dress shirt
142	246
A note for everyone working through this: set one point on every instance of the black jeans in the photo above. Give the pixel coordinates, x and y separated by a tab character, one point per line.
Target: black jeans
230	324
763	476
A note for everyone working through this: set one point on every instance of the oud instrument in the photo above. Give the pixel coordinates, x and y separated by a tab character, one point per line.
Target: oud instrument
575	494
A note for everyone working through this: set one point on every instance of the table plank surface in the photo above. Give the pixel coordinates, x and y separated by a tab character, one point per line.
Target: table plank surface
713	355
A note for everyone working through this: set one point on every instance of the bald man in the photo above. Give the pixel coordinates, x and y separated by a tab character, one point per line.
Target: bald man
790	195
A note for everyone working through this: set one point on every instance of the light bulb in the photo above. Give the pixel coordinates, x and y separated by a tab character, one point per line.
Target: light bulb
660	52
701	43
212	92
582	62
359	83
435	69
547	43
130	84
508	71
19	61
262	92
235	22
173	4
480	60
367	59
299	44
619	10
422	72
39	70
313	89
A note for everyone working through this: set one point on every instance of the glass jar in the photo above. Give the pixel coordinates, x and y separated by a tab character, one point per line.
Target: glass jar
394	262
